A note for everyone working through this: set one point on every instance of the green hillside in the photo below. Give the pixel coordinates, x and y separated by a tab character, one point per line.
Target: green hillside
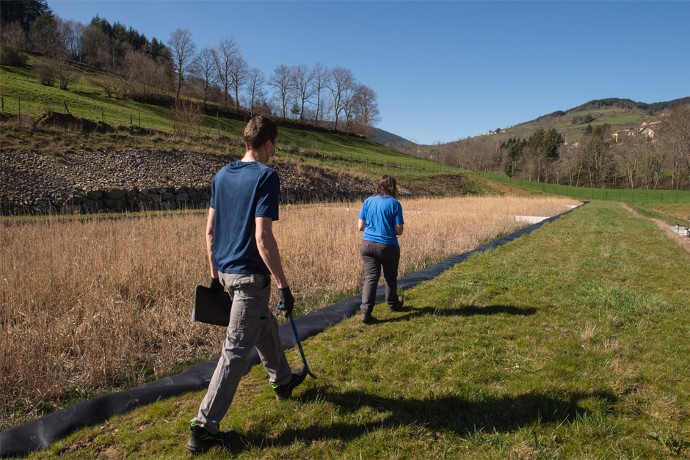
145	125
572	124
617	113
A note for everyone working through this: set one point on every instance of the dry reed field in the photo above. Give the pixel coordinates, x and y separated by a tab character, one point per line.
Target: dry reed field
88	306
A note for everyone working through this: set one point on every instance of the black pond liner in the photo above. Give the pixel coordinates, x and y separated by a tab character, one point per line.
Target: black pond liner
40	433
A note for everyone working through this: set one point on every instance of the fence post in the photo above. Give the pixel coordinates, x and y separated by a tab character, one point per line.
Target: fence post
19	105
66	109
2	102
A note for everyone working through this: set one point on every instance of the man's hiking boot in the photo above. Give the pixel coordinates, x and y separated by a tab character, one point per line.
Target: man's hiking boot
398	305
201	440
285	391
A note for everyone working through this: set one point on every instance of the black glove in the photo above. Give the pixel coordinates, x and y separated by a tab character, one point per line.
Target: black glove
216	286
287	301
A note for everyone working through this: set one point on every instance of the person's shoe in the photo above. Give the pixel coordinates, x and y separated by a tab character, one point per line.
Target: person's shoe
398	305
366	318
201	440
285	391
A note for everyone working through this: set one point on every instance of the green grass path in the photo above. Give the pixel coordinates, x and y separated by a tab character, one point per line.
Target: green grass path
571	342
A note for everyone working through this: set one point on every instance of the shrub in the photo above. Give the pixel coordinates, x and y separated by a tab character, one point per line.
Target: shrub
45	73
12	57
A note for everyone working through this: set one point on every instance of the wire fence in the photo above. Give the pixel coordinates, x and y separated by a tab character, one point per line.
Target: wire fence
588	193
415	166
215	127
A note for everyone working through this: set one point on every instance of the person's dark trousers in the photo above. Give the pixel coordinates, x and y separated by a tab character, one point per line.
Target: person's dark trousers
376	256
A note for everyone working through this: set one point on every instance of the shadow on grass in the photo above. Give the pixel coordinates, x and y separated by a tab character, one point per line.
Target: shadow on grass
456	414
472	310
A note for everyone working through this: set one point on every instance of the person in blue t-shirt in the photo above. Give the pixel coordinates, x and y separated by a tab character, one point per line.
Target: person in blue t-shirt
243	256
381	220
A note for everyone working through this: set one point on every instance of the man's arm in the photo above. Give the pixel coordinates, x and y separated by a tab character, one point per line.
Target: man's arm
209	241
268	250
361	224
399	229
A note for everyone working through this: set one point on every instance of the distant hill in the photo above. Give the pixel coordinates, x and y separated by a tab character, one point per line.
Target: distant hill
654	108
483	152
617	113
626	104
392	140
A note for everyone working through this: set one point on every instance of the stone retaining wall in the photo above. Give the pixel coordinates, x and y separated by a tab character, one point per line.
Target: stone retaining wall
130	180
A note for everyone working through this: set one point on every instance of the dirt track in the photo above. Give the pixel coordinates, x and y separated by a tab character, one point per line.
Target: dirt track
684	241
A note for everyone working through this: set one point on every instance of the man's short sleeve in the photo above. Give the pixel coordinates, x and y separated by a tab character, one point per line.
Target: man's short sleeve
213	193
268	196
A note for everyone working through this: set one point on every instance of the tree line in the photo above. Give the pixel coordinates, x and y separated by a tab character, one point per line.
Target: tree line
635	159
132	66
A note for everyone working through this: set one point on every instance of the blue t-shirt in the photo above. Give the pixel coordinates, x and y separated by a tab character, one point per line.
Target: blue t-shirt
242	191
381	214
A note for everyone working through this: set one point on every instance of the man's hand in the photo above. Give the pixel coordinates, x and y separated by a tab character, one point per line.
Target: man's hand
287	301
215	285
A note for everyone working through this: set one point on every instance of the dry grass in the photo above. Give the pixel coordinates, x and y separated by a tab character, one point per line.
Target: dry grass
88	306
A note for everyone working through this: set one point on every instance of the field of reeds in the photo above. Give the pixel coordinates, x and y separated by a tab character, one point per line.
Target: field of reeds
87	306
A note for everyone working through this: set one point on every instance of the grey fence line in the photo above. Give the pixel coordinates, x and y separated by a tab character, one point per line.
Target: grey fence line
359	163
134	118
644	195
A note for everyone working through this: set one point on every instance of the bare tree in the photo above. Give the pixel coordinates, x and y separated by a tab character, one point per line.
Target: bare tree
652	164
112	84
675	132
204	70
255	89
223	58
44	36
301	82
339	83
319	79
366	110
238	76
49	35
143	74
95	46
12	35
12	39
569	164
628	154
182	49
187	116
350	106
71	33
280	81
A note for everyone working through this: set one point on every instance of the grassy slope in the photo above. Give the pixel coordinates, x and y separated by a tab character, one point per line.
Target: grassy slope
548	347
215	135
617	118
672	206
82	99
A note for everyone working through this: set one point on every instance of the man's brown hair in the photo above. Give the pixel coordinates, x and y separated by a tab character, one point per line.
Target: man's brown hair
387	186
259	130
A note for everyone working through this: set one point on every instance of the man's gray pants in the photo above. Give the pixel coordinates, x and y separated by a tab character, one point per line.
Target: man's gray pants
251	325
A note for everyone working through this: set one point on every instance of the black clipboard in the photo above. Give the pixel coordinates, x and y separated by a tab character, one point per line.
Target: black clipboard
211	306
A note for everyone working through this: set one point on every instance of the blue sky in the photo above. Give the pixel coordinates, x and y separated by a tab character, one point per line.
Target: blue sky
444	70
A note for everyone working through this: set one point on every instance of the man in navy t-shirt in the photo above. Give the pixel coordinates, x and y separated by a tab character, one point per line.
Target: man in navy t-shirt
243	256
